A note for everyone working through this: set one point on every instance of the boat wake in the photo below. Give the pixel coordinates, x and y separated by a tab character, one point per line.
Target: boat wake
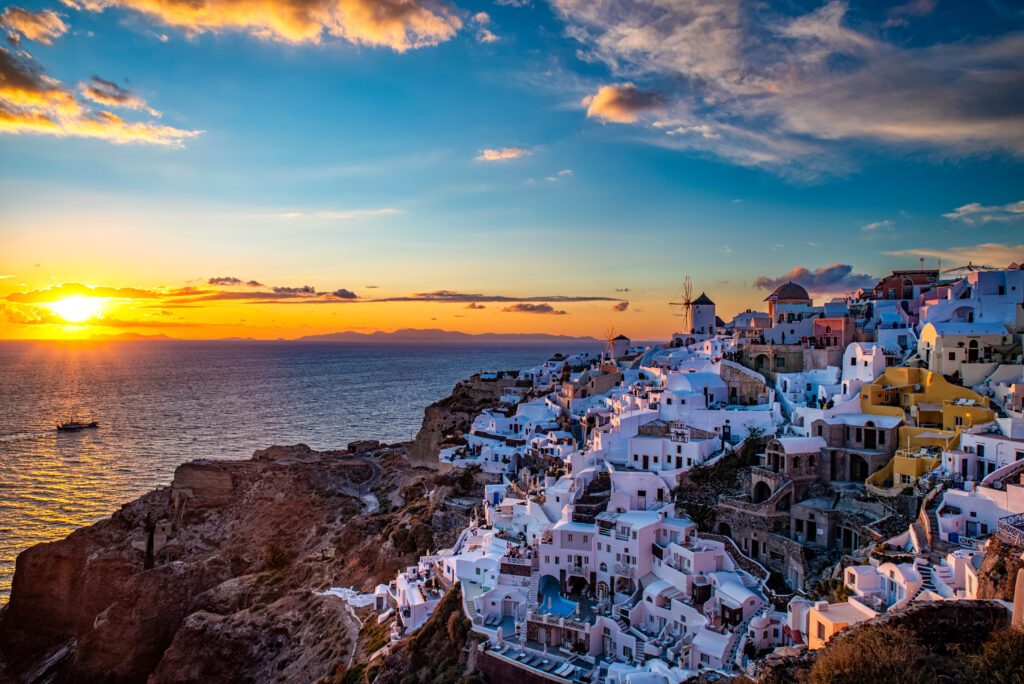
22	436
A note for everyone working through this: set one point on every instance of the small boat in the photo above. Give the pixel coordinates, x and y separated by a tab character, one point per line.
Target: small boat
75	426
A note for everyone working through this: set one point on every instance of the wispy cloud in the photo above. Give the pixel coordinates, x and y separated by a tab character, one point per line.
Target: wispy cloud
33	102
834	278
231	280
876	226
340	214
43	27
483	33
764	88
108	93
979	213
986	254
534	309
453	296
502	154
397	24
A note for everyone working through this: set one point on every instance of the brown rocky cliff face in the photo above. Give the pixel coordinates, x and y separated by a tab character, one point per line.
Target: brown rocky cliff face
998	573
250	541
445	420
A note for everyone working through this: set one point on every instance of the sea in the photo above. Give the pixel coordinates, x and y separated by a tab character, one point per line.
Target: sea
160	404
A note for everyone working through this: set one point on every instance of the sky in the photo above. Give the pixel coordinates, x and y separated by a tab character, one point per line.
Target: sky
221	168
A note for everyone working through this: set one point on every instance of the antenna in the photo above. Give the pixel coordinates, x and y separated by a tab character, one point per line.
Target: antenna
684	307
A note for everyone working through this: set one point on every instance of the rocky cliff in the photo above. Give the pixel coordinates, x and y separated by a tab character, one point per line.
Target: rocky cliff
218	576
447	420
998	572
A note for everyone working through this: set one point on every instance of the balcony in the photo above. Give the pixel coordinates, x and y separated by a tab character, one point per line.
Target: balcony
1011	529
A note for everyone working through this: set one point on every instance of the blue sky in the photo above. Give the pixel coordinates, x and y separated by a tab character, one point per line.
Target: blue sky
648	140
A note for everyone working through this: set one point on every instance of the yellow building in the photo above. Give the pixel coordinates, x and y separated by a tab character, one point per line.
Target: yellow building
825	620
935	412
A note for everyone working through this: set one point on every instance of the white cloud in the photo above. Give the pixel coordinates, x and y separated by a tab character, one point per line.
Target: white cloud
876	226
502	154
986	254
765	89
979	213
339	215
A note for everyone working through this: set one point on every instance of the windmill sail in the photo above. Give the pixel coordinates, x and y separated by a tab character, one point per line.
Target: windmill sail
684	306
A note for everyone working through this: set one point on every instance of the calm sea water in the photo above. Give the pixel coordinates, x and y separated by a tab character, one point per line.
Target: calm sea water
160	404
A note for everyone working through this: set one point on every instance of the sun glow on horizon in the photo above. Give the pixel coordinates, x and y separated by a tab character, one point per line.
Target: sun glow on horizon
77	309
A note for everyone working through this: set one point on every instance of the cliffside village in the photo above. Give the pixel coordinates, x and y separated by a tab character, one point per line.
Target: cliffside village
886	430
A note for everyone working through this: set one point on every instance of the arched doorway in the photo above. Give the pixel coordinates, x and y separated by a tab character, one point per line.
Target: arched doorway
762	492
972	351
761	362
724	529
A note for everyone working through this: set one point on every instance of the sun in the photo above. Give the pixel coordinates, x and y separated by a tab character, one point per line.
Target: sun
77	309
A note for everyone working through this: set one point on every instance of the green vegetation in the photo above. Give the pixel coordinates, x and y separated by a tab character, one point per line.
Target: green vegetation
373	636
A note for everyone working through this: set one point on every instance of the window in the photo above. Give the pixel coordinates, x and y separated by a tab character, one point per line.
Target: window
704	657
568	537
821	631
780	362
881	436
952	356
853	361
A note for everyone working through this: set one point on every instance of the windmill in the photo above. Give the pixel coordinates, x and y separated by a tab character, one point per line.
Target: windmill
609	343
969	267
684	307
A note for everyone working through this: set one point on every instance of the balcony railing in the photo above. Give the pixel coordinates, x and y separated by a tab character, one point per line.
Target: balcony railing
1011	528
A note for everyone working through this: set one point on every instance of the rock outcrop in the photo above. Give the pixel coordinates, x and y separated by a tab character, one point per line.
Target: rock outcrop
998	573
238	552
447	420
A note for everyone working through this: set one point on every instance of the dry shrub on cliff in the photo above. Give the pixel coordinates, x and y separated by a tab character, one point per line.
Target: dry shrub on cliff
881	654
437	652
1001	660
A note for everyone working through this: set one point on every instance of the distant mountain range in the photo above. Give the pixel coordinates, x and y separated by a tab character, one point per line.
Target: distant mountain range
434	335
129	336
402	336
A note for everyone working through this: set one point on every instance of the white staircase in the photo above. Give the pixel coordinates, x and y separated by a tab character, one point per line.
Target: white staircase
534	579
